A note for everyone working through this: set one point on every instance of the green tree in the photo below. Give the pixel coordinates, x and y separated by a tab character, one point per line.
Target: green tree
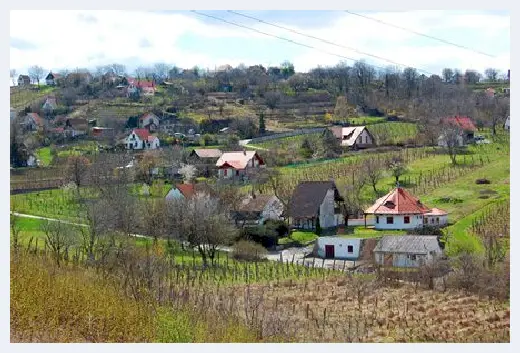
306	149
261	123
287	69
330	146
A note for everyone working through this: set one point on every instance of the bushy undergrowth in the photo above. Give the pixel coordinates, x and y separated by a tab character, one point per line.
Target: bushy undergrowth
75	304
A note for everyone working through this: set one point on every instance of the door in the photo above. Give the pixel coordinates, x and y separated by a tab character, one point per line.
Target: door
389	260
329	251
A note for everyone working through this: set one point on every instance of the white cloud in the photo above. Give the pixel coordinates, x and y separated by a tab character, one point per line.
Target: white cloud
90	38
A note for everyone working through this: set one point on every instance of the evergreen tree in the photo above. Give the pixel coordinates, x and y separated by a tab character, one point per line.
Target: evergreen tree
306	149
318	227
330	146
261	123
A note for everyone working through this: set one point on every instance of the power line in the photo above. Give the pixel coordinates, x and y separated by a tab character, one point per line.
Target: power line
325	41
285	39
420	34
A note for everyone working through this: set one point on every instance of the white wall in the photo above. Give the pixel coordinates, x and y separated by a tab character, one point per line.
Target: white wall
432	220
404	260
327	218
415	221
340	247
361	222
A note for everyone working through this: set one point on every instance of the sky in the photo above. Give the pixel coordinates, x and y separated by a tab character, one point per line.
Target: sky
86	39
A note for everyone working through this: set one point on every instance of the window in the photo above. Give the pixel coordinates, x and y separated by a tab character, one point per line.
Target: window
412	257
350	249
236	173
437	220
389	220
406	219
377	219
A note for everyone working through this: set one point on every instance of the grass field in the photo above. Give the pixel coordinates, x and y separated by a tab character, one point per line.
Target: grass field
44	155
393	132
294	142
23	97
366	120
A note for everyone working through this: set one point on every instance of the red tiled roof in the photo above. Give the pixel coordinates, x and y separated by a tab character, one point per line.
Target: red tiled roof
463	122
142	133
234	164
398	201
36	118
151	138
187	190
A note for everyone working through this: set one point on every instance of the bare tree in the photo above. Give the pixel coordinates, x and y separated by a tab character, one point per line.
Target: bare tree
146	167
76	169
491	74
492	109
59	238
153	217
272	99
12	74
279	185
451	140
161	70
373	171
118	69
36	73
203	222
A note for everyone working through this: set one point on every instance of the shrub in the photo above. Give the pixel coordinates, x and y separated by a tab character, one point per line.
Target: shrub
248	251
279	227
482	181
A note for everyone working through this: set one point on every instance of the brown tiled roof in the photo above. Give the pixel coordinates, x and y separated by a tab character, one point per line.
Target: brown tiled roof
187	190
237	160
398	201
256	204
308	196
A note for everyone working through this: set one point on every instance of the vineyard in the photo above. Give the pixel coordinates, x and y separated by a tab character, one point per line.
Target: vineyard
283	302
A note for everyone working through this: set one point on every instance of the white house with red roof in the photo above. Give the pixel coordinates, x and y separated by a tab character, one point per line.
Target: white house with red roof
146	88
141	139
148	121
464	123
401	210
232	165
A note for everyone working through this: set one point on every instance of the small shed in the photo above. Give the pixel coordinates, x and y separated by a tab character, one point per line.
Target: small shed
337	248
407	251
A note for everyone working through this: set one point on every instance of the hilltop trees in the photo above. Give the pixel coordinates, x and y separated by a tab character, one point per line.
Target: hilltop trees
36	73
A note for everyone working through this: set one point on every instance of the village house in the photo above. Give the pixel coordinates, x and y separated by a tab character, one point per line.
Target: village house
148	121
24	80
99	132
32	122
337	248
205	160
257	209
76	127
180	191
237	165
400	210
316	202
407	250
52	79
353	136
140	139
50	104
146	88
464	123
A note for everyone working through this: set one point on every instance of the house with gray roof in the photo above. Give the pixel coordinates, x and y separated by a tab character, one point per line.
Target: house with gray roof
313	202
407	250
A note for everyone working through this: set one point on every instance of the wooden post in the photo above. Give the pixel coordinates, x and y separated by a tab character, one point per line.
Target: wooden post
365	216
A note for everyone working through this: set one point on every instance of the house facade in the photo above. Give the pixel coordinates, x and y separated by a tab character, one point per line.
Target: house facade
337	248
257	209
407	251
24	80
76	127
50	104
315	202
237	165
354	136
399	210
52	79
148	121
32	122
146	88
205	160
140	139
